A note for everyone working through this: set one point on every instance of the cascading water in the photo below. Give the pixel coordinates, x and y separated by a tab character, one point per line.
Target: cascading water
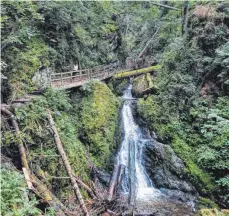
134	136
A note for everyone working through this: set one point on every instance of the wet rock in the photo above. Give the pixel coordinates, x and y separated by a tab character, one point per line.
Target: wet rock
179	196
163	207
165	168
103	176
120	85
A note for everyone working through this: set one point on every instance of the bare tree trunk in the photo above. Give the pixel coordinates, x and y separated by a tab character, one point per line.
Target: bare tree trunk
121	174
132	172
185	19
141	53
113	182
67	164
165	6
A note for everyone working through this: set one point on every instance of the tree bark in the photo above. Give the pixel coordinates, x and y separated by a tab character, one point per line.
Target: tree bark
84	186
185	19
66	163
132	172
113	182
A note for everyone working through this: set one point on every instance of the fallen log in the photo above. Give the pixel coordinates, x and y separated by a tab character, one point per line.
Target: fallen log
165	6
27	178
86	187
124	74
67	164
132	170
41	189
116	180
121	174
113	182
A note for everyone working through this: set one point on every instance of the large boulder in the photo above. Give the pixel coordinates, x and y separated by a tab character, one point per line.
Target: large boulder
140	84
165	168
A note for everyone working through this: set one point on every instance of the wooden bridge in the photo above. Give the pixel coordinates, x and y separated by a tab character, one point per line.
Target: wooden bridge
76	78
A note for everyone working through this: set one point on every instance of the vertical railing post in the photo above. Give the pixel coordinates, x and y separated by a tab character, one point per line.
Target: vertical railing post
104	72
61	78
71	77
50	80
80	74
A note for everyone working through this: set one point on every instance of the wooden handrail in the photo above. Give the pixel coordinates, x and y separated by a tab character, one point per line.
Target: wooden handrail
100	72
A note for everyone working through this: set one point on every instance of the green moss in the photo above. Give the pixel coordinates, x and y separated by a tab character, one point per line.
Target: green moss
149	80
74	149
119	86
200	178
99	112
140	84
26	63
205	202
123	74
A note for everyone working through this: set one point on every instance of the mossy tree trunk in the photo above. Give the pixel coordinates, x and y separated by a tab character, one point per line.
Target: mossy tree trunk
124	74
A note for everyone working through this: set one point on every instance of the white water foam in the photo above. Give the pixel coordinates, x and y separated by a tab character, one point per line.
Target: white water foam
133	136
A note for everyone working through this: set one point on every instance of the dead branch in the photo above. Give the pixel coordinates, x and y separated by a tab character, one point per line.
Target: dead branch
165	6
147	44
84	186
42	190
113	182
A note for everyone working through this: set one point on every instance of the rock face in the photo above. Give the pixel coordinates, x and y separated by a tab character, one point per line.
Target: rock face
165	168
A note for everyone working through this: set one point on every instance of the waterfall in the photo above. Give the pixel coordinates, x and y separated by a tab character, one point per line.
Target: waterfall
133	136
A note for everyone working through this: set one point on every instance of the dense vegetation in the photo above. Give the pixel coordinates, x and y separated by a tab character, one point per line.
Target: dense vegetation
87	140
188	109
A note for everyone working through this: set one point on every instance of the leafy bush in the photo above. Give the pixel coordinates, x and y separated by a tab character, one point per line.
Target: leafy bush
13	192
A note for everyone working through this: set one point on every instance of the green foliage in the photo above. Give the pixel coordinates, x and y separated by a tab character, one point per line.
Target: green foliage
118	86
13	191
190	110
204	202
38	136
86	130
99	109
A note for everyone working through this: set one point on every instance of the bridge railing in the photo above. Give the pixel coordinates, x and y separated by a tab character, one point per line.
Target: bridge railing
74	76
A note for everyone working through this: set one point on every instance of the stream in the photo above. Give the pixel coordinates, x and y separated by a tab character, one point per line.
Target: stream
148	200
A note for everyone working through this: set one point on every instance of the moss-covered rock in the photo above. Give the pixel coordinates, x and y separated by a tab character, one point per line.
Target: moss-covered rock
99	115
213	212
140	84
207	203
118	86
